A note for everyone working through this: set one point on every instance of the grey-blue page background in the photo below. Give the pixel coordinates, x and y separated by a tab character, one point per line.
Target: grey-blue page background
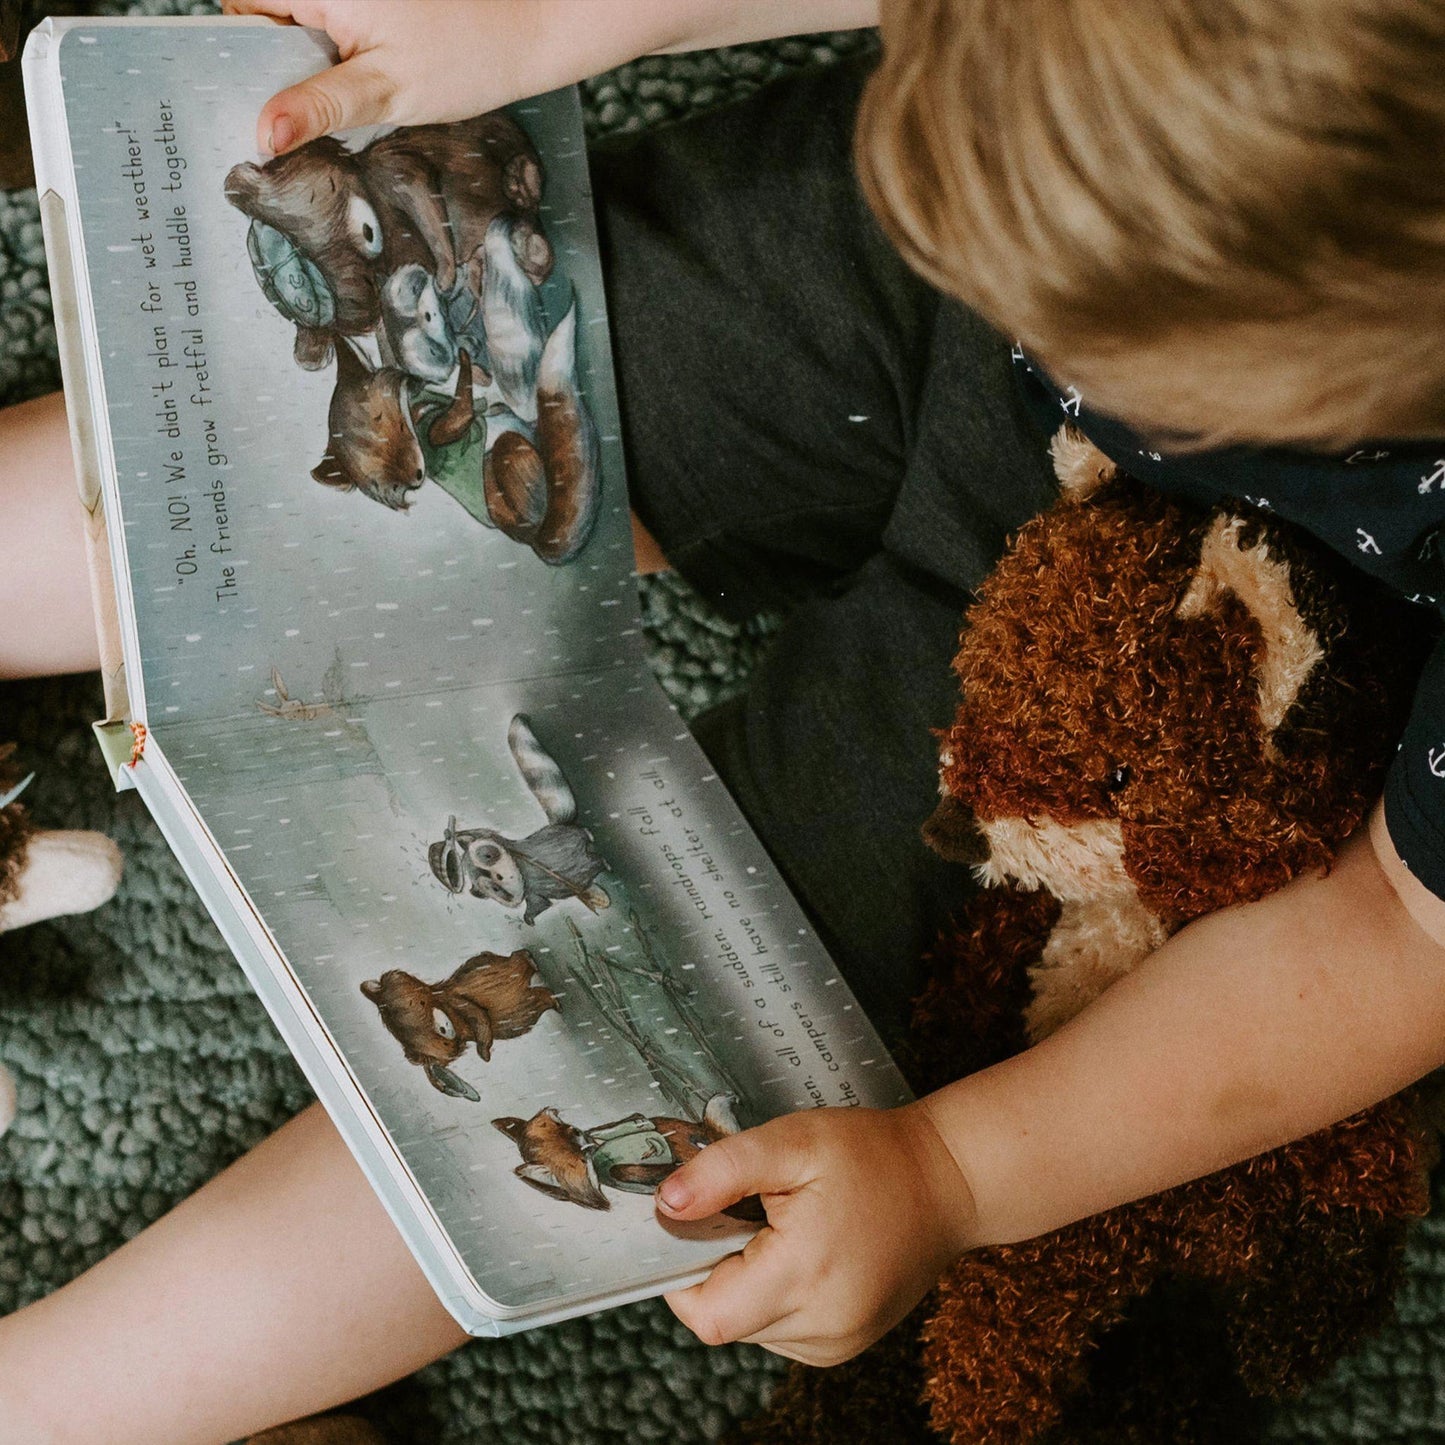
404	645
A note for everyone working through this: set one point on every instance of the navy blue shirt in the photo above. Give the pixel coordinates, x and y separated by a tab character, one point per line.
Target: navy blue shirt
1382	507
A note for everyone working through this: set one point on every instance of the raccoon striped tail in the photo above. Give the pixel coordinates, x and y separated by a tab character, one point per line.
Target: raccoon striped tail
544	779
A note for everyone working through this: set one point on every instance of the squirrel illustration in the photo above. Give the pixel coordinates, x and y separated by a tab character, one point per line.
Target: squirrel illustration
557	862
633	1155
489	998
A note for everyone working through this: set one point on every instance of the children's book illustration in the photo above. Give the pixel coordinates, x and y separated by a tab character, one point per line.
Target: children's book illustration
559	861
647	1005
293	709
325	685
417	263
488	999
632	1155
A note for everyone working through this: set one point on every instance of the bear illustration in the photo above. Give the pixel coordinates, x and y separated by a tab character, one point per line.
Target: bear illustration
633	1155
1163	713
489	998
329	224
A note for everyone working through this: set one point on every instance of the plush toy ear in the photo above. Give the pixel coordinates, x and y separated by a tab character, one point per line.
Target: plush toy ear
1290	649
372	989
1082	469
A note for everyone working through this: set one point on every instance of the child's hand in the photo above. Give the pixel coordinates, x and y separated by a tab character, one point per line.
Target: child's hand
412	64
865	1207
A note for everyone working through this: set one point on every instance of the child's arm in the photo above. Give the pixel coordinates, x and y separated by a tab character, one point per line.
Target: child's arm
1250	1027
449	59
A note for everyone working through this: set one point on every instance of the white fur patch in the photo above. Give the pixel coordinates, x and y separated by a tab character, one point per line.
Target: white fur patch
1079	465
1092	946
1076	862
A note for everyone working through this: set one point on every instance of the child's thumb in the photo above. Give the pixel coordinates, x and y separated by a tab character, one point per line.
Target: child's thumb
723	1173
353	93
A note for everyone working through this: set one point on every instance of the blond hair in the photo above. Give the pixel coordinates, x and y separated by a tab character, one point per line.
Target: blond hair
1222	219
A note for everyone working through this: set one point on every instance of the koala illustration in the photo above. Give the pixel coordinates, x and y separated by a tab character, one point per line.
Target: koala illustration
633	1155
558	861
330	224
489	998
494	314
541	461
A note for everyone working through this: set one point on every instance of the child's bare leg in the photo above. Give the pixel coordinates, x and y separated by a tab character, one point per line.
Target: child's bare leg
47	624
279	1289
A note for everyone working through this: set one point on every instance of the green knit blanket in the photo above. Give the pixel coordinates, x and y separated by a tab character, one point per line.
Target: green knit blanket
146	1065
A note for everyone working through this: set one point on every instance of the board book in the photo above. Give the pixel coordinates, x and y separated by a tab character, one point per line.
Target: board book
347	440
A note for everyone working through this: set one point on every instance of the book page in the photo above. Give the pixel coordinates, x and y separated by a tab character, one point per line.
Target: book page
375	528
327	436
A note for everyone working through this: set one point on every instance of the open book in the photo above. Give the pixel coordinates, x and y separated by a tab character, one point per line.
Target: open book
347	437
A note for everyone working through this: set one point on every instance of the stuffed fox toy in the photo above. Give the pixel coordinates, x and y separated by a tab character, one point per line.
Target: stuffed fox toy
1162	714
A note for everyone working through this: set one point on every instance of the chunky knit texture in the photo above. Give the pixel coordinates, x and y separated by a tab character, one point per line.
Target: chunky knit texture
145	1064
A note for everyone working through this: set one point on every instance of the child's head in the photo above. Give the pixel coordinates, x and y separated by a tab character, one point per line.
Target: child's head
1223	218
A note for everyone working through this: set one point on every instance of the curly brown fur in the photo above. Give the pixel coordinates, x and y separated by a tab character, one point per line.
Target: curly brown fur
876	1397
1213	700
15	828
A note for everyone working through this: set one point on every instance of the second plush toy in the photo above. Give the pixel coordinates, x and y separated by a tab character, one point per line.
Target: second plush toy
1163	714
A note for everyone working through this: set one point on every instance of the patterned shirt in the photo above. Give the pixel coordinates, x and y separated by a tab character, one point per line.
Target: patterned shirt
1382	506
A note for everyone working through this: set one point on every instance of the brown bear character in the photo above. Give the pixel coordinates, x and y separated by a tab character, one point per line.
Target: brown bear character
1162	714
489	998
329	224
427	241
633	1155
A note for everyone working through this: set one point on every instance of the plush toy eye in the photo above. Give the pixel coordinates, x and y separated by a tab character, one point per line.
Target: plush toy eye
364	225
1119	779
443	1024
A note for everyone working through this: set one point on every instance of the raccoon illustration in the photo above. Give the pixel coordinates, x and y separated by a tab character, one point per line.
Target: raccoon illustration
557	862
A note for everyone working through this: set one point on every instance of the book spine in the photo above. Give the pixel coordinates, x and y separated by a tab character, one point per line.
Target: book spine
46	107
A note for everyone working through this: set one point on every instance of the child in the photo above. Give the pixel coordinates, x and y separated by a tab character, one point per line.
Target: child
1208	222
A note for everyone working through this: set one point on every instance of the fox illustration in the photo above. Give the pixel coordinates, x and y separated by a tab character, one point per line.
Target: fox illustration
633	1155
488	999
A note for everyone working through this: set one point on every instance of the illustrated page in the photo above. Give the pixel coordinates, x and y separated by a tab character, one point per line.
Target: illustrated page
372	498
360	397
556	959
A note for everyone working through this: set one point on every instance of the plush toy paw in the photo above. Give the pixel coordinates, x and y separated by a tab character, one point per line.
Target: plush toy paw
63	872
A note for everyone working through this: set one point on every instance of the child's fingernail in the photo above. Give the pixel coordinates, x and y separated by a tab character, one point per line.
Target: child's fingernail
674	1194
283	132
